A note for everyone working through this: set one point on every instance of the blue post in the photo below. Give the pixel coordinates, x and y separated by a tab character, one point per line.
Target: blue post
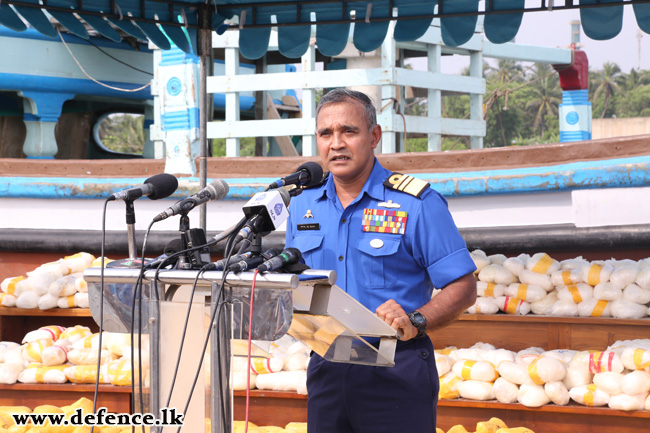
575	116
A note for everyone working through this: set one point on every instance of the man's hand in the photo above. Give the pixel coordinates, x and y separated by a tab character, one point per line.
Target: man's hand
392	313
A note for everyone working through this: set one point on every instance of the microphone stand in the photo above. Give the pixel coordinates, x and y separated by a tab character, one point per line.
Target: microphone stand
184	227
130	228
192	238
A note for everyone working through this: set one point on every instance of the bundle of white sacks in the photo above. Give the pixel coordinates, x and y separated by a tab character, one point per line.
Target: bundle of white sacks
54	354
618	377
285	370
575	287
51	285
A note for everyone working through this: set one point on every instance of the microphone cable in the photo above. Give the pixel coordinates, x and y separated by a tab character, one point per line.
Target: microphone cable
101	309
138	296
187	319
215	313
250	343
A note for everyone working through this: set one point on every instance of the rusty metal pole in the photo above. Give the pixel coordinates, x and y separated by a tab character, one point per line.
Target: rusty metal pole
204	47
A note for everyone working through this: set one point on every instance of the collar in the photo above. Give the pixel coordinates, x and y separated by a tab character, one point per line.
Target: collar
373	187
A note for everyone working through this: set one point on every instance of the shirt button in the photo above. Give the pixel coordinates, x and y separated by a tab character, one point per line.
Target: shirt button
340	258
343	221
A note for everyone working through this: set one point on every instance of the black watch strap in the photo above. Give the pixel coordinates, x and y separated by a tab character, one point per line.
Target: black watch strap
419	321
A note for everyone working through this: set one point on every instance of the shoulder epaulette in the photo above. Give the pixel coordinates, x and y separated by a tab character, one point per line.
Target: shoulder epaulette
406	183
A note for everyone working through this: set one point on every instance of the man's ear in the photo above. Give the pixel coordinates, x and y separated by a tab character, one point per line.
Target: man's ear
375	136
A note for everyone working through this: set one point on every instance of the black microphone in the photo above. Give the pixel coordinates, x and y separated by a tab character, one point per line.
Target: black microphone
308	174
254	261
266	211
159	186
216	190
287	257
220	264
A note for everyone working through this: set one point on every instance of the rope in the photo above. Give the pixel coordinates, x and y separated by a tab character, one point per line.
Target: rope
93	79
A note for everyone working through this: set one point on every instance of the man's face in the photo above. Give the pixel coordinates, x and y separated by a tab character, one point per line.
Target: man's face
344	142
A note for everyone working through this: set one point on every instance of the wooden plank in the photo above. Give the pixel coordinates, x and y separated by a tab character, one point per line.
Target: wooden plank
576	333
271	408
284	142
54	312
261	128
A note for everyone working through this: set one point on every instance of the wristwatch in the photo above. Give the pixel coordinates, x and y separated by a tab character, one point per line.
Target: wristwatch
419	321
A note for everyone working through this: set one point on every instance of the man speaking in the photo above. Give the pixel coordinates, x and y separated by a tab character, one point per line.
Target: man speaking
391	240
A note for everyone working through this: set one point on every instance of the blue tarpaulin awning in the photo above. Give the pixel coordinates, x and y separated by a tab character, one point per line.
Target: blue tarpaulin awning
163	21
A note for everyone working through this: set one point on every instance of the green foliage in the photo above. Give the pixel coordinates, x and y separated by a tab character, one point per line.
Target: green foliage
247	146
123	133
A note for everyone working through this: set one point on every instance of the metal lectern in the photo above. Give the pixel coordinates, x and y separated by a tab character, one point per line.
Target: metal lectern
308	306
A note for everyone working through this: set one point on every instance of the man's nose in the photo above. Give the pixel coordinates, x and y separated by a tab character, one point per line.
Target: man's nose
338	141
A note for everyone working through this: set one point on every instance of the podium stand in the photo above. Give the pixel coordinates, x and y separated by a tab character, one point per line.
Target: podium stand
309	307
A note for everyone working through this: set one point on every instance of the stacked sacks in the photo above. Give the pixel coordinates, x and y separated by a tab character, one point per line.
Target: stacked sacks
493	425
54	354
85	406
575	287
285	370
51	285
618	377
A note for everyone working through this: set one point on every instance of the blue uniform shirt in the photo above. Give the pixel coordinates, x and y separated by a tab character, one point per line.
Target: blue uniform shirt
425	250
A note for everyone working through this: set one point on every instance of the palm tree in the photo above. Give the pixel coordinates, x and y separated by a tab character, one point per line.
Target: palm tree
505	71
605	81
547	94
633	80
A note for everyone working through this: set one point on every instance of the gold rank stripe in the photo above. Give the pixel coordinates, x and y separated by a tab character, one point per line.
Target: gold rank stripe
406	183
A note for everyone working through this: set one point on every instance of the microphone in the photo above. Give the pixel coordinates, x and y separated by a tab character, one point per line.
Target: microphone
308	174
216	190
289	256
266	211
158	186
220	264
254	261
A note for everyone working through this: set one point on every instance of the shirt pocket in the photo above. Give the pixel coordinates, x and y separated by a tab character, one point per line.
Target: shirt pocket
376	268
309	246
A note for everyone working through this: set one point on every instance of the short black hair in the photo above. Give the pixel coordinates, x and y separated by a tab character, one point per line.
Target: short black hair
344	95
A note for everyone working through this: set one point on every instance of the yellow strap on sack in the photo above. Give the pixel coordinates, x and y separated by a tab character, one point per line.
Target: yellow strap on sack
593	277
533	373
589	395
566	278
489	290
261	365
522	290
638	359
11	287
599	308
70	301
575	293
467	370
543	264
119	373
511	304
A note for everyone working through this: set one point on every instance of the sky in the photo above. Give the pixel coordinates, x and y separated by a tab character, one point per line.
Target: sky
552	29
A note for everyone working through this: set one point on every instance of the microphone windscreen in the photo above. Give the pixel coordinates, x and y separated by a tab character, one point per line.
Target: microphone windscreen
164	185
286	197
219	189
315	172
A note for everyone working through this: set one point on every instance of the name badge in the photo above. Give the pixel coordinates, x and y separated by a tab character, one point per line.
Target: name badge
313	226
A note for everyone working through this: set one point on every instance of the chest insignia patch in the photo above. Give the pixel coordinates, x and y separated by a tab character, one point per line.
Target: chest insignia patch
389	204
308	214
384	221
